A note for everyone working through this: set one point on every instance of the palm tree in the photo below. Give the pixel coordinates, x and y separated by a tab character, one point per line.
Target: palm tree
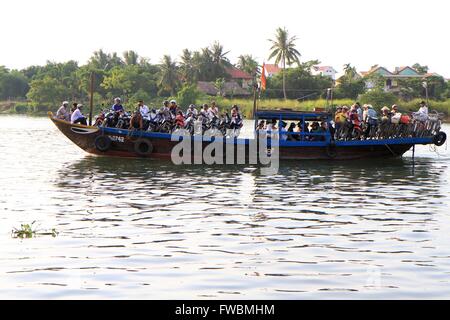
169	74
130	57
283	50
350	72
219	57
187	68
248	64
99	60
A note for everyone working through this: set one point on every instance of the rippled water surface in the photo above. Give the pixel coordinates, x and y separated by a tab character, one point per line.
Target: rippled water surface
151	230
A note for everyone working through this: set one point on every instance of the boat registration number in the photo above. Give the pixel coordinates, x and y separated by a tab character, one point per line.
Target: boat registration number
117	138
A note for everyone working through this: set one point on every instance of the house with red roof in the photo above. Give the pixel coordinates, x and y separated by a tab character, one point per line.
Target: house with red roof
230	89
271	70
239	76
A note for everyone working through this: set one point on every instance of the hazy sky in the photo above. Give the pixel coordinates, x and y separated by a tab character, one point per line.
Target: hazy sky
386	32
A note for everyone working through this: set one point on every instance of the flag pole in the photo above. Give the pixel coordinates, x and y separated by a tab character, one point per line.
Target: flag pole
255	86
91	100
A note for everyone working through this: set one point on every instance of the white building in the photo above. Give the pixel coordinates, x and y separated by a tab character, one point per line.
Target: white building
325	71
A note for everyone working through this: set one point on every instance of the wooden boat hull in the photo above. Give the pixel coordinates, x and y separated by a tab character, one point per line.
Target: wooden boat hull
123	144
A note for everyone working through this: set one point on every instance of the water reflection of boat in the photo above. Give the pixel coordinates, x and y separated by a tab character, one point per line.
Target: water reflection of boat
138	144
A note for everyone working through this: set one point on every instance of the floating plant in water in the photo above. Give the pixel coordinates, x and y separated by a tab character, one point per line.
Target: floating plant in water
29	231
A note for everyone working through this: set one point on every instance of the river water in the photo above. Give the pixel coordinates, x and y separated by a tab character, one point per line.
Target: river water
151	230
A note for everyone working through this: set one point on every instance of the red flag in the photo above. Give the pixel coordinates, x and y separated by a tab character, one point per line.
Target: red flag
263	77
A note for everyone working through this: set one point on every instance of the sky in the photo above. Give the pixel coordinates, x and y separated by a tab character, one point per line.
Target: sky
385	32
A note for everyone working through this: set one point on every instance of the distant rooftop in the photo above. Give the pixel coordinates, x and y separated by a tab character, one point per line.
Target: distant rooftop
235	73
272	68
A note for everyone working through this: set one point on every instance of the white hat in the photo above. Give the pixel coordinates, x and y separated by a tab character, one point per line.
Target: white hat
173	101
65	103
117	99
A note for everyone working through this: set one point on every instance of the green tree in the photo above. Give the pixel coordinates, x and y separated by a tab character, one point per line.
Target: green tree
378	98
104	61
187	67
351	85
47	91
127	80
248	64
350	88
419	68
219	84
168	80
350	72
130	58
187	95
219	59
307	86
284	51
13	84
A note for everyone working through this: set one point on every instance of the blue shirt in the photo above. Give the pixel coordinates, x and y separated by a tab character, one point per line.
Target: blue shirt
117	107
371	114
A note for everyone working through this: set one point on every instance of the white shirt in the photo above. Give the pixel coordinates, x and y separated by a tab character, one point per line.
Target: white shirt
284	135
193	111
270	127
424	110
422	114
211	113
76	115
215	110
62	113
360	114
144	110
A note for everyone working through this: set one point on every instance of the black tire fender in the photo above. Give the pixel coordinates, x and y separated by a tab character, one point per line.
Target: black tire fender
331	150
440	138
143	147
102	143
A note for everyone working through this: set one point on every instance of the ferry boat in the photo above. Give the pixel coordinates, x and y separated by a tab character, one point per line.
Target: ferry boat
116	142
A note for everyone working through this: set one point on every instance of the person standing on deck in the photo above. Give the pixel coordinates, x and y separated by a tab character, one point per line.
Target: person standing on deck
271	126
143	109
117	106
210	112
394	109
339	119
370	118
359	111
191	111
422	114
261	126
179	119
165	111
213	110
173	107
72	110
136	121
63	113
291	135
78	117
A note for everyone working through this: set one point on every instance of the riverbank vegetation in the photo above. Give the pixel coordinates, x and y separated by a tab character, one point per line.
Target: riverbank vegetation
38	89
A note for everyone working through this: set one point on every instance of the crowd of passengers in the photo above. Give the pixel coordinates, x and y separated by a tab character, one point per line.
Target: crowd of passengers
355	122
363	122
165	119
349	123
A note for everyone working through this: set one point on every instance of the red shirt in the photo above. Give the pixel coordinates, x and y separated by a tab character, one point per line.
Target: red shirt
179	120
